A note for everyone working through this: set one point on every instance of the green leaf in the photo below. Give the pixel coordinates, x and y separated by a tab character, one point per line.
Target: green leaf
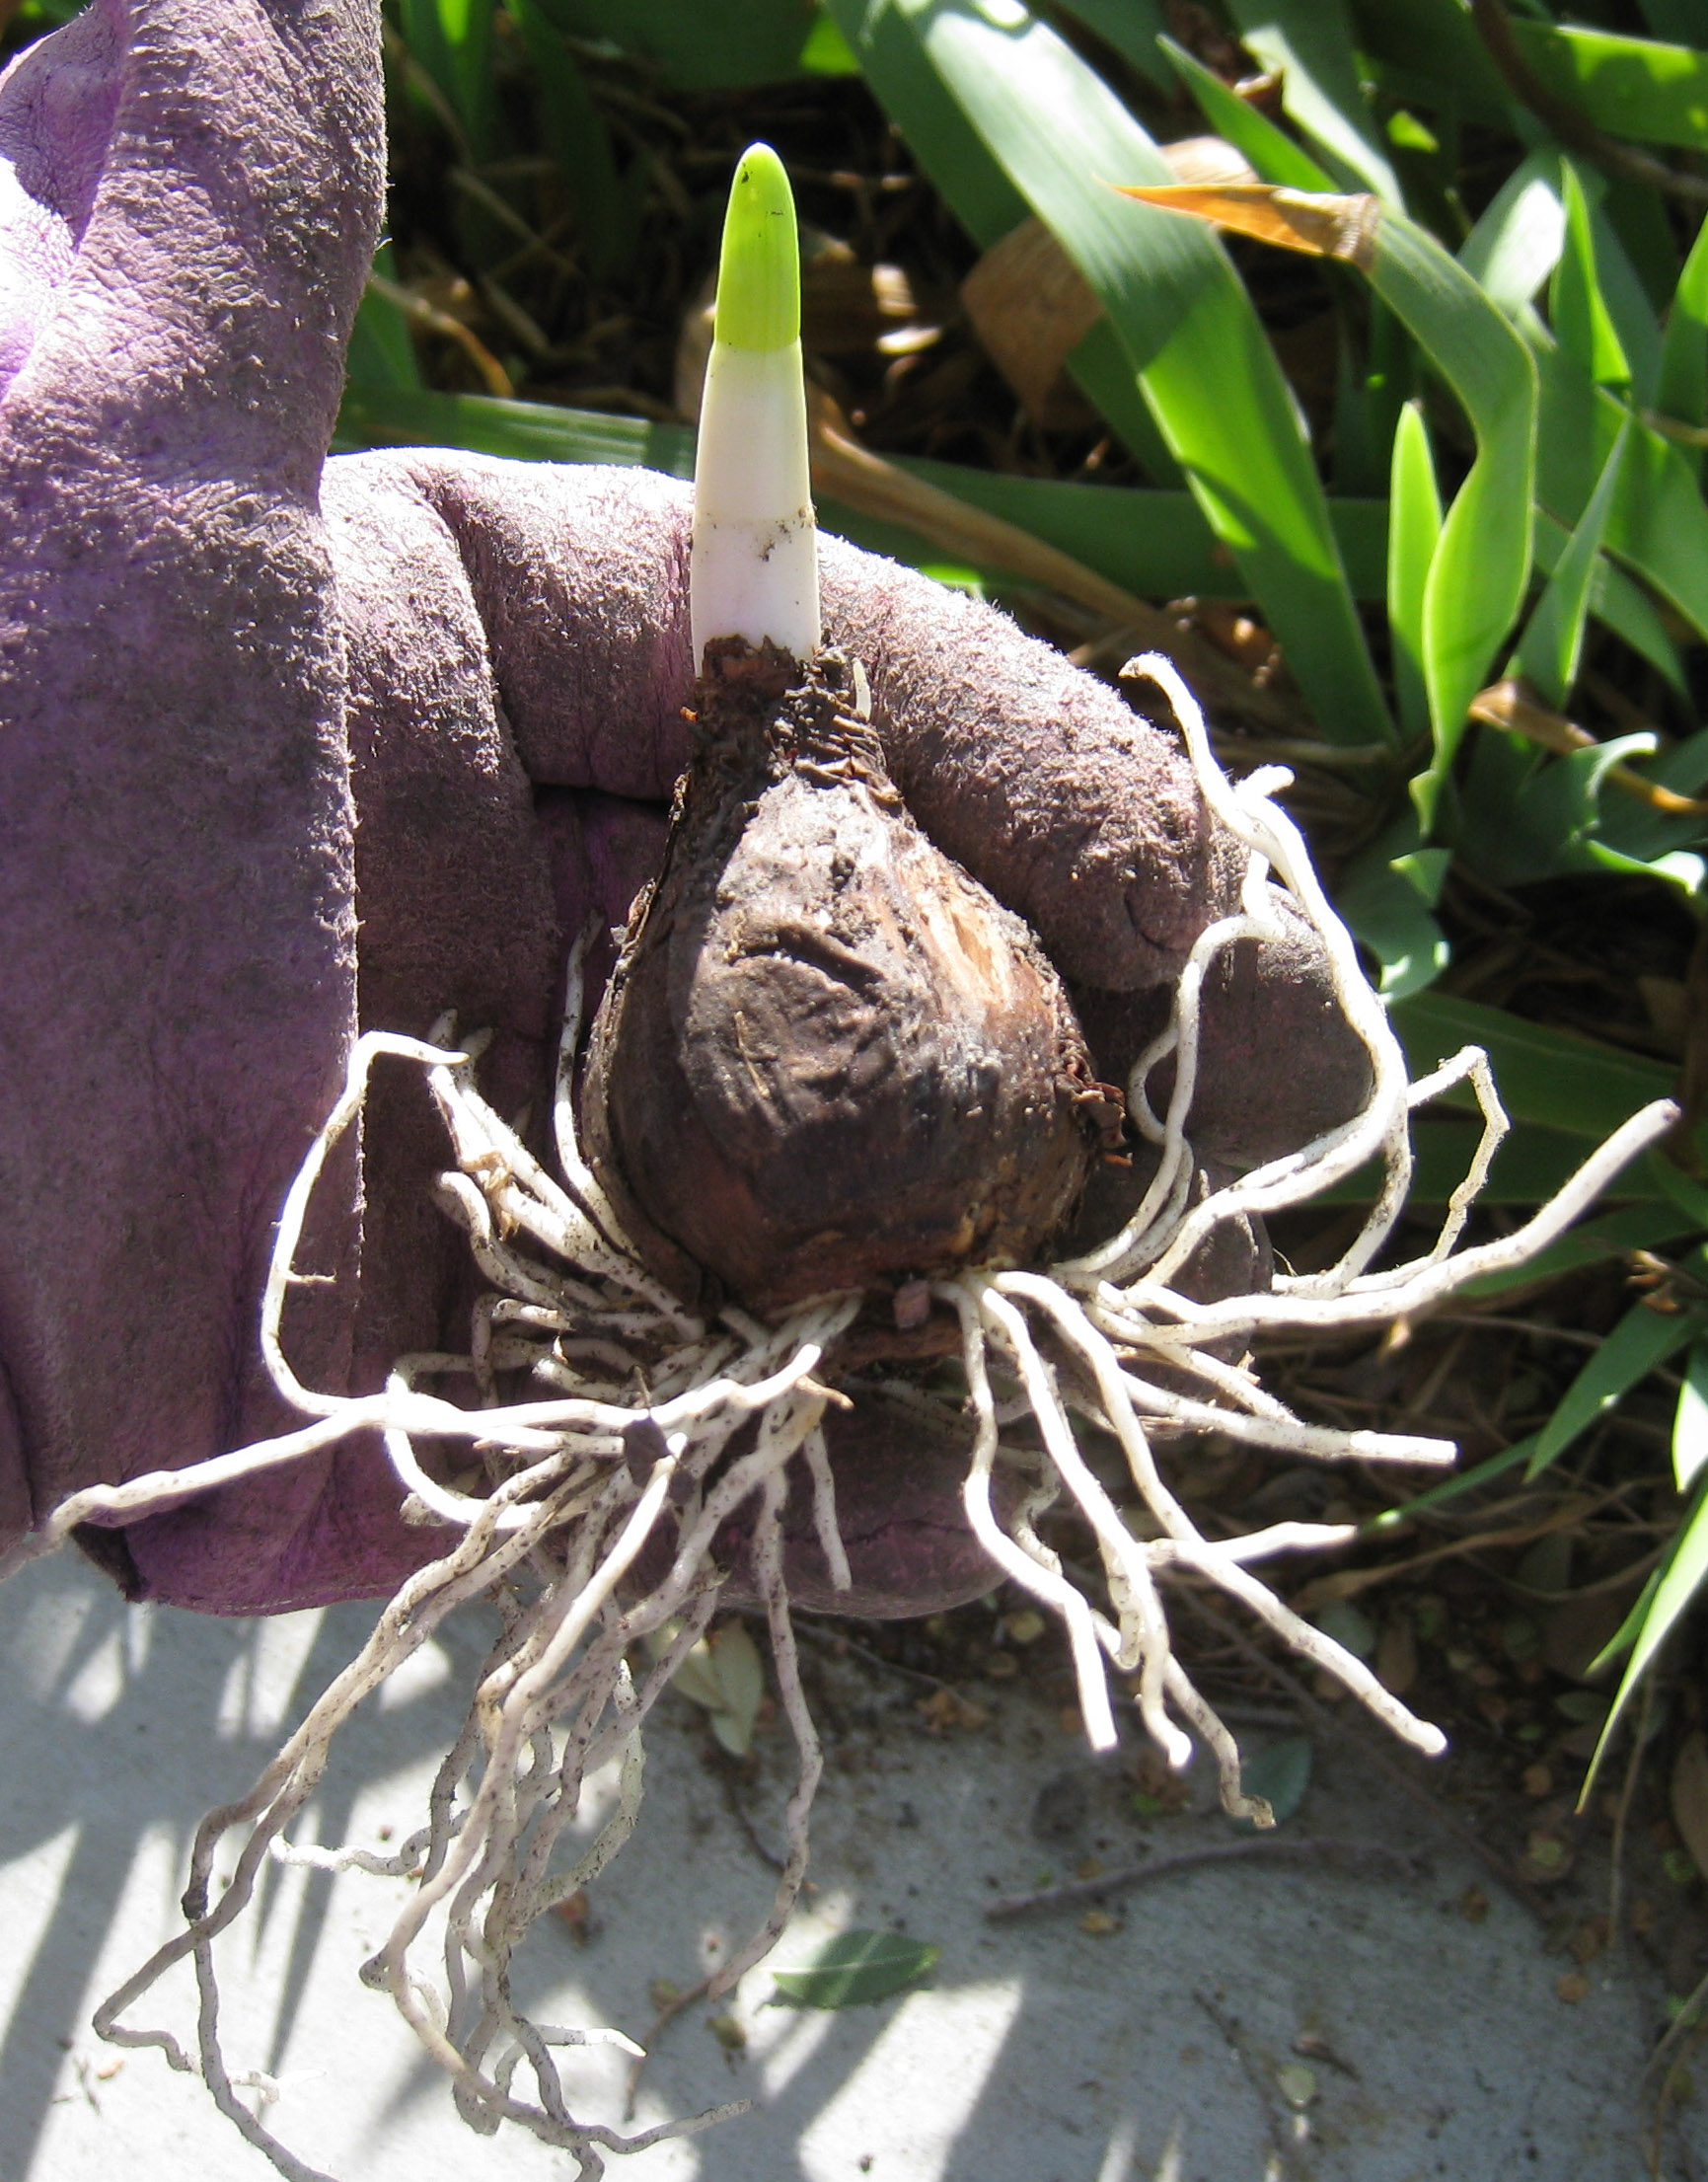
1556	1078
1682	389
1642	1340
1434	42
1616	602
1414	531
1280	1774
1132	28
1517	241
529	431
1060	138
711	45
1630	87
1651	1620
381	352
1530	1166
1553	639
826	51
1455	1489
1690	1420
1154	544
1583	325
574	132
1481	565
1309	45
857	1968
1272	153
1388	911
452	41
1657	524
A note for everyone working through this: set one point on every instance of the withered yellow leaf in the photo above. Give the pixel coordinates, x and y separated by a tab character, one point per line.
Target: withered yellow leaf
1315	222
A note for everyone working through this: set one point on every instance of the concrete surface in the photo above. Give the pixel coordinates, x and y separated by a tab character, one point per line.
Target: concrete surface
1041	2052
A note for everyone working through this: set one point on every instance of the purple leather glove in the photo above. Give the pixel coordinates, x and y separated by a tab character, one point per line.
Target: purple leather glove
288	746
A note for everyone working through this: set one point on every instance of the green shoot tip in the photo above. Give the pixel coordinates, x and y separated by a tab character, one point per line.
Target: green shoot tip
759	273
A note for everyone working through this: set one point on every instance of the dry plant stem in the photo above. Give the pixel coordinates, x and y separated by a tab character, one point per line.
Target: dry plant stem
1371	1856
1333	1727
626	1436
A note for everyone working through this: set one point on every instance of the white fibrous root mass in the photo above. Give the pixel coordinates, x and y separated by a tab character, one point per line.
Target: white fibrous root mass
645	1428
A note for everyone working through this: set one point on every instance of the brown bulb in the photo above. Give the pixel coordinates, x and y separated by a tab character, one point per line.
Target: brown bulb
828	1058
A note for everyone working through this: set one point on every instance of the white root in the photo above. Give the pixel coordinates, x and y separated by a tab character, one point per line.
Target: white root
650	1429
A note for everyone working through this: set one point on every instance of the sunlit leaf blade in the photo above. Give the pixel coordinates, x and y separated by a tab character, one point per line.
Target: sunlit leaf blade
1187	325
1690	1420
1616	601
1309	45
1272	153
1517	241
1388	909
1642	1340
1414	530
1683	391
1631	87
1482	561
857	1968
1553	639
529	431
1658	1610
1581	322
1657	524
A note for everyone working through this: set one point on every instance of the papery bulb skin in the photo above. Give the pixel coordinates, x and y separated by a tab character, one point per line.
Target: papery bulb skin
828	1057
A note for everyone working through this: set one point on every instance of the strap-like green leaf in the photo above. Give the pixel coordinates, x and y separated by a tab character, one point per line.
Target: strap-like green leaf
1414	531
1309	45
1553	639
1482	561
1653	1618
1576	310
1273	154
1683	391
1642	1340
530	431
1552	1077
1633	87
1059	136
1690	1420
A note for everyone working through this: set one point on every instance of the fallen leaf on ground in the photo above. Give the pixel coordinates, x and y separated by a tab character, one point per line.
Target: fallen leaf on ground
855	1968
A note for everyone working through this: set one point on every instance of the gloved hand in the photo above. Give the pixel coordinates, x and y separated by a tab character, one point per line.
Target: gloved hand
289	746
